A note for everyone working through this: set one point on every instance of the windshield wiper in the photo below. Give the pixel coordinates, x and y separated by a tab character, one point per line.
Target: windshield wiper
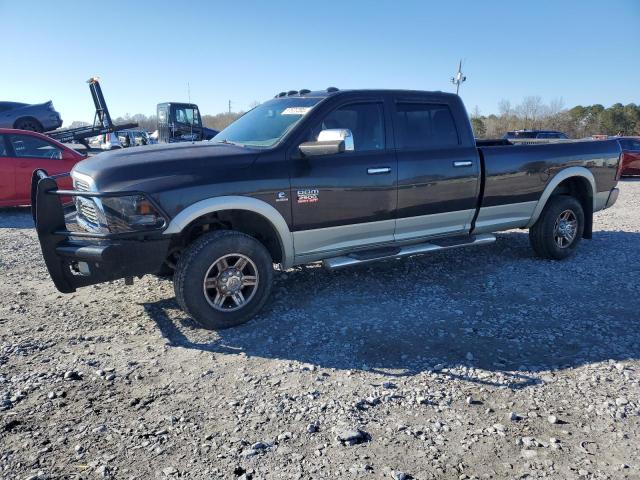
229	142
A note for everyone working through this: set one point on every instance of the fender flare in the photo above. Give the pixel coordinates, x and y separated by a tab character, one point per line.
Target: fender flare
557	180
233	202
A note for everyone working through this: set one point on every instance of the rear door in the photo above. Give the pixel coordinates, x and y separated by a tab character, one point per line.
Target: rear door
7	174
346	200
438	175
31	153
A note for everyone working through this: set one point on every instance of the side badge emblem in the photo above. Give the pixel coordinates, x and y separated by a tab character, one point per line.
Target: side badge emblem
282	197
308	195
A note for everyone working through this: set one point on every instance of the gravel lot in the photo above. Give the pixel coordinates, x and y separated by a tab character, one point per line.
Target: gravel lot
473	363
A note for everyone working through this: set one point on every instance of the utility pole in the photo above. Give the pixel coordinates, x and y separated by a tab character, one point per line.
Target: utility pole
459	78
229	106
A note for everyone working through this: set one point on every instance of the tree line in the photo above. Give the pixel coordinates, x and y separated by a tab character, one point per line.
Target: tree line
532	114
577	122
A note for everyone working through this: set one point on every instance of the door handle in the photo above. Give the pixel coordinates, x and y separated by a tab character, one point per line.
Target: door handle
466	163
378	171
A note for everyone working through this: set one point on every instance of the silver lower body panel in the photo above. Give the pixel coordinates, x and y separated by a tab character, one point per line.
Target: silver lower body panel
405	251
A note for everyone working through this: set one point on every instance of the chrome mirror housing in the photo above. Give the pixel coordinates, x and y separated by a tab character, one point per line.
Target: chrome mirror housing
333	134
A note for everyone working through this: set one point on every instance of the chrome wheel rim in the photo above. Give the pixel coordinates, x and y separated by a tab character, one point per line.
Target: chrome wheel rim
230	282
565	229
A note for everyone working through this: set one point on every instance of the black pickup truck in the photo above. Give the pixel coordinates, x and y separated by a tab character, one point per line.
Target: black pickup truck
342	177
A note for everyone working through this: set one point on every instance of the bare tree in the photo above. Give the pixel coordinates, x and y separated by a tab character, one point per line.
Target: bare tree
530	111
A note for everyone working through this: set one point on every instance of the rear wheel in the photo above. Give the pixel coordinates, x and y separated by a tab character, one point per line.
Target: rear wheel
30	124
559	229
223	279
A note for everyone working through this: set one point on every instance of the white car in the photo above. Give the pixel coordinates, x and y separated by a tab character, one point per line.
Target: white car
108	141
122	139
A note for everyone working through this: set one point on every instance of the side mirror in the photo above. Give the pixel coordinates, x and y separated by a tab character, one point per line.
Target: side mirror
338	134
329	147
330	142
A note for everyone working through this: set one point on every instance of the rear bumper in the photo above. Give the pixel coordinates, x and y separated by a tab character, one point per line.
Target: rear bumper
53	123
613	196
605	199
75	259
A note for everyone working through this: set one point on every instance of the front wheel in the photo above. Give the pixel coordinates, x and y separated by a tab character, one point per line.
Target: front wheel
223	279
559	229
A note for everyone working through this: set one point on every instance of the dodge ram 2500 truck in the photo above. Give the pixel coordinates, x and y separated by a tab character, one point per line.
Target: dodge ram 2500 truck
342	177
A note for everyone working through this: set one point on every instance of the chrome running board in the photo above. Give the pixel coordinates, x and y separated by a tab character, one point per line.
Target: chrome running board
361	257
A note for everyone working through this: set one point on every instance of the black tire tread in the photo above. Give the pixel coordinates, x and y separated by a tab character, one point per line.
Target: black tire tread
188	257
539	238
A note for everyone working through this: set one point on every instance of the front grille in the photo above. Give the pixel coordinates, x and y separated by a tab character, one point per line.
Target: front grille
86	207
87	210
80	185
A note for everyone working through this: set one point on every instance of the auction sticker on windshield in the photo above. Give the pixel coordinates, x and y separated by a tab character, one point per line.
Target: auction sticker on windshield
295	110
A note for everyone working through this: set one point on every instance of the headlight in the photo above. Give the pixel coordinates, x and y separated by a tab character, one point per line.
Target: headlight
131	213
118	214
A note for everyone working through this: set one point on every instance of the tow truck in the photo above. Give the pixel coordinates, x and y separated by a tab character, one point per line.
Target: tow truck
102	122
181	122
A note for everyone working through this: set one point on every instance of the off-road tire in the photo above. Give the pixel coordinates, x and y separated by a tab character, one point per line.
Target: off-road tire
198	258
30	124
542	233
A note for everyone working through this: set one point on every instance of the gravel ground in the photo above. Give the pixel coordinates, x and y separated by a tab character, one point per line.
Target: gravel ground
473	363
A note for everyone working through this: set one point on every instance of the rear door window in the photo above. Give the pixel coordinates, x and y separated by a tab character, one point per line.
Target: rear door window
423	125
26	146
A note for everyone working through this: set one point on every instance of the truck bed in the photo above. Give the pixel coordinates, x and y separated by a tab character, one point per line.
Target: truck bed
515	176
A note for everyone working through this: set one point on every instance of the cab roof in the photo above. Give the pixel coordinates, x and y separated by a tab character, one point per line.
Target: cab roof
331	91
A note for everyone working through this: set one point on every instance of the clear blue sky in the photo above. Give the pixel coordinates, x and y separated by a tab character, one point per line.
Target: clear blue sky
146	51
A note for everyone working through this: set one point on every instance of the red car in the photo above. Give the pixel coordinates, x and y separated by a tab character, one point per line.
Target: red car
630	163
21	152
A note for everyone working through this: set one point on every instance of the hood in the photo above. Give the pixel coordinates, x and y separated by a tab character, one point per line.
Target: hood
154	168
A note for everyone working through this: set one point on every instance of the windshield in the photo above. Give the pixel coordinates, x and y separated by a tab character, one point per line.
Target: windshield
266	124
519	134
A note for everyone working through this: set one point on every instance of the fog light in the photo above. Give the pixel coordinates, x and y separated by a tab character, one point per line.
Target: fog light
83	268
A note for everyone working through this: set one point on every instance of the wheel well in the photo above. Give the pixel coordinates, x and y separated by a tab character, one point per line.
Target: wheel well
579	188
27	118
244	221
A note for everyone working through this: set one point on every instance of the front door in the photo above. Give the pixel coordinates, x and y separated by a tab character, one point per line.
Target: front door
32	153
438	178
347	200
186	125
